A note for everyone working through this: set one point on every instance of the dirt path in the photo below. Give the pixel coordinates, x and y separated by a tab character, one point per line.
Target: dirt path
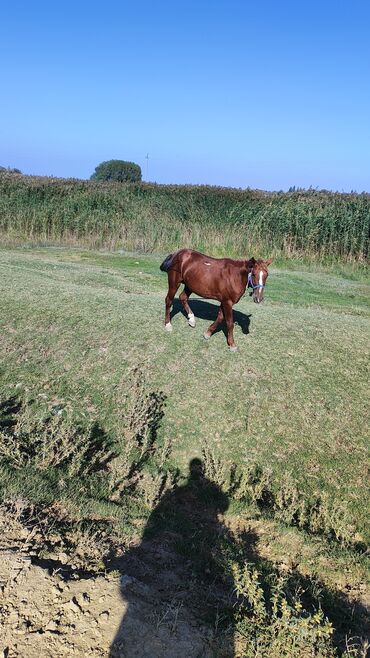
42	615
143	608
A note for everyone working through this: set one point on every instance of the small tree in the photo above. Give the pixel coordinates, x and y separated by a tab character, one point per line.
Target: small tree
117	170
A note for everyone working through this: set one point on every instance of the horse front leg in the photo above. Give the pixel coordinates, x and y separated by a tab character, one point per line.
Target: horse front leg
184	301
212	328
228	312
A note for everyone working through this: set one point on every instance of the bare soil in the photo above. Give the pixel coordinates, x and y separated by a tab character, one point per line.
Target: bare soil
45	613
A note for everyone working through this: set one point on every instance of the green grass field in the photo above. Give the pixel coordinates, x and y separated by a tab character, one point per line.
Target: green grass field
292	401
293	398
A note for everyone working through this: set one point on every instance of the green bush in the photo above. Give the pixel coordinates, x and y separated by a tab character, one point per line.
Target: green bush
117	170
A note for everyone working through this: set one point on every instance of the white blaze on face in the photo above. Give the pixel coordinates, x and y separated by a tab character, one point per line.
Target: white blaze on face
258	291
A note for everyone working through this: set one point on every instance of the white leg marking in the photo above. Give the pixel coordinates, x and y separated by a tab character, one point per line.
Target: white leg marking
191	319
168	326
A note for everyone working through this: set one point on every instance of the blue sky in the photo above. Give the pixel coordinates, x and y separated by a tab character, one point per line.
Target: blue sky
261	94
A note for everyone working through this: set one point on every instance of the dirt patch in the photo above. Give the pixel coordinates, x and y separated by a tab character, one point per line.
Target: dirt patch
169	595
139	609
43	615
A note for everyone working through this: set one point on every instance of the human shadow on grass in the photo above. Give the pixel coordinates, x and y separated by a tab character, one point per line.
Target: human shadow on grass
178	591
208	311
178	597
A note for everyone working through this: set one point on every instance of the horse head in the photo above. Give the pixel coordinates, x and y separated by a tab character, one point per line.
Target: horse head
257	277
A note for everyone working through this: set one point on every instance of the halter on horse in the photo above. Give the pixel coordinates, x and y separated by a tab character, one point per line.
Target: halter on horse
257	297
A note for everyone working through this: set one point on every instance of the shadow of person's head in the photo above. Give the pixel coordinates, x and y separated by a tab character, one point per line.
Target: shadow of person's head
196	469
209	495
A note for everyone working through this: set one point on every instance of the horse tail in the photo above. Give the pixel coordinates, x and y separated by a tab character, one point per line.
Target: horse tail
165	266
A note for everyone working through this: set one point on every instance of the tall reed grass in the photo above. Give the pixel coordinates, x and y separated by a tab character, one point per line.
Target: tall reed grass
311	225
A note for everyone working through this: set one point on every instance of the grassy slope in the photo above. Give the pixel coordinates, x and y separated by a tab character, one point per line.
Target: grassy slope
293	397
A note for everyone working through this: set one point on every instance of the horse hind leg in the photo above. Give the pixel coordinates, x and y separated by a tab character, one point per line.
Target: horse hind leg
212	328
173	284
184	301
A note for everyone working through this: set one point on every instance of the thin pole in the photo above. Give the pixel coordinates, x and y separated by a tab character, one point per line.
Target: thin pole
147	165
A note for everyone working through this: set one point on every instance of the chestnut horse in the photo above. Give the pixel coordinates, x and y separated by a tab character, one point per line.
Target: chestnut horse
223	279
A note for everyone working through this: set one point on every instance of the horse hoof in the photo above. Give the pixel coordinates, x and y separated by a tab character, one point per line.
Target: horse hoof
233	348
168	326
191	320
206	336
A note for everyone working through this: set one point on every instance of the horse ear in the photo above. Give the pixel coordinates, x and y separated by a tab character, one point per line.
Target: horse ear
268	262
251	263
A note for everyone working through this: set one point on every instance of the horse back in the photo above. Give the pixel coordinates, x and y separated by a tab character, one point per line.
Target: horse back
214	278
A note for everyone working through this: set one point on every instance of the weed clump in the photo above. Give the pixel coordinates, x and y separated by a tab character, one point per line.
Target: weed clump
53	442
131	461
278	617
275	624
49	532
253	484
141	462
